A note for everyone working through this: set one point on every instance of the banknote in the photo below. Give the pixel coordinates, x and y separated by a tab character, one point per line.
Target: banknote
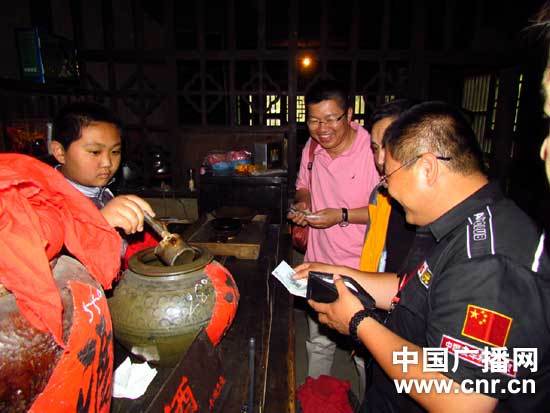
293	210
284	272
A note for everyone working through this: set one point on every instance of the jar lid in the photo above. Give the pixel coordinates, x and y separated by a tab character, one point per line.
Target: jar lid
145	262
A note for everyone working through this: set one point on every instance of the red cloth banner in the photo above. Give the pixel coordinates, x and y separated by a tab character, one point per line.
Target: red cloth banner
81	380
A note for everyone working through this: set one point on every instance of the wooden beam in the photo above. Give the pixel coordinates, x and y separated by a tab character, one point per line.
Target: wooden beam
232	45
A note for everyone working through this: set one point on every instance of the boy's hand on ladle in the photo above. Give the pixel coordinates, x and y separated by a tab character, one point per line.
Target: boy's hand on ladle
126	212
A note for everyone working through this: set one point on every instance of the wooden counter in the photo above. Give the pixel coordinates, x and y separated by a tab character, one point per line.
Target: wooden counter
265	313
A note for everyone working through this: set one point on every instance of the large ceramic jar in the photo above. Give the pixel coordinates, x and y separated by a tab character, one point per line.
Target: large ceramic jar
158	310
37	375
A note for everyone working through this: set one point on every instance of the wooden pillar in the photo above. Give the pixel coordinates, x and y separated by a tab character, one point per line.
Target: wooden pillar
324	38
202	56
232	45
78	36
261	67
354	47
292	90
171	92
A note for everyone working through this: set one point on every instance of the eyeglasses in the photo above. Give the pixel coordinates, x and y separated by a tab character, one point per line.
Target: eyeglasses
330	121
384	178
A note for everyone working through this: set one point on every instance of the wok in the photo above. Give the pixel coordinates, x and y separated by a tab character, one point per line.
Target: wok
226	226
238	212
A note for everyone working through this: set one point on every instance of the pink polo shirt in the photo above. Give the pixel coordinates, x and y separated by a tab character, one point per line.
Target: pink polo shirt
343	182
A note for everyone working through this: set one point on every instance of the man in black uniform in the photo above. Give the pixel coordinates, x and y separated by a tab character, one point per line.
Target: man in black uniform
475	286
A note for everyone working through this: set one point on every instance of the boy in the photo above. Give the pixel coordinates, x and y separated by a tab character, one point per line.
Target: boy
87	145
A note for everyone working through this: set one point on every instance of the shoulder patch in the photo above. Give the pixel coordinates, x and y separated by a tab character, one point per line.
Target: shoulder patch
487	326
424	274
479	234
475	355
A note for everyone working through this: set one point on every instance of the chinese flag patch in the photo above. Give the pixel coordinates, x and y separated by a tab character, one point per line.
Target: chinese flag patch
486	326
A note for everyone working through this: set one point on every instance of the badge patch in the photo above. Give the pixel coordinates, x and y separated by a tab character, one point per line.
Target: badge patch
486	326
425	275
470	353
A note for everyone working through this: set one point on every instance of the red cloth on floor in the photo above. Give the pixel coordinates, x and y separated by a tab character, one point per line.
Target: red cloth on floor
325	394
39	213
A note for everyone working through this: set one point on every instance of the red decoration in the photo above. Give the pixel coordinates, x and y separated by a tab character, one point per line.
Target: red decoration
81	380
227	300
486	326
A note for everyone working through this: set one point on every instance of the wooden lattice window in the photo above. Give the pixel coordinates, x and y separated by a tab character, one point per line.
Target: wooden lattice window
479	100
273	110
300	109
359	109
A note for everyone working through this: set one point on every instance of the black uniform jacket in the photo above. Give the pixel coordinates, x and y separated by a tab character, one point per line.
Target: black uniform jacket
477	281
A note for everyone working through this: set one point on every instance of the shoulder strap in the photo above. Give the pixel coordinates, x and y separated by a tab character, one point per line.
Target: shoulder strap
479	229
311	157
312	147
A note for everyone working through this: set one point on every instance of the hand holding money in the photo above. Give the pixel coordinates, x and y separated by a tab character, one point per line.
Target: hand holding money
284	273
297	213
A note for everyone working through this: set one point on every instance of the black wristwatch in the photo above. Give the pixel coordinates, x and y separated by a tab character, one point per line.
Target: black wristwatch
344	222
355	321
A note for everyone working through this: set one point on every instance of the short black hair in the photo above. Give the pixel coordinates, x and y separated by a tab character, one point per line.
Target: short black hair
327	90
73	117
438	128
390	109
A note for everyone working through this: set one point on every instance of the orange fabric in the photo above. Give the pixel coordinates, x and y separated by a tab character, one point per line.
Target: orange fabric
39	213
379	214
81	380
227	301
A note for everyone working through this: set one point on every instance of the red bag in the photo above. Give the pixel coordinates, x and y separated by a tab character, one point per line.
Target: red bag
299	237
300	234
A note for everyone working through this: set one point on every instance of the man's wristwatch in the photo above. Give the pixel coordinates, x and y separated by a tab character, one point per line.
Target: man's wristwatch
344	222
355	321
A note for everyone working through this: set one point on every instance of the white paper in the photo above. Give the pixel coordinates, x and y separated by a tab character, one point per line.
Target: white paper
284	272
132	379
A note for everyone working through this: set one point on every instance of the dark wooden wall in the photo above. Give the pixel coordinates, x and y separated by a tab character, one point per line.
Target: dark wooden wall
174	70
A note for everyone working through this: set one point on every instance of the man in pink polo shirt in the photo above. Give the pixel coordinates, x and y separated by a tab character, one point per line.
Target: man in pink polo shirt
335	207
